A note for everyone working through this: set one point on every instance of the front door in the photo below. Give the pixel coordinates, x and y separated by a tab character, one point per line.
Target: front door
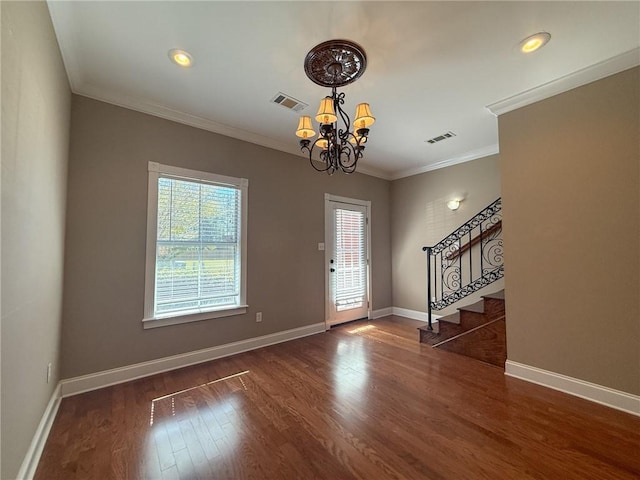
347	260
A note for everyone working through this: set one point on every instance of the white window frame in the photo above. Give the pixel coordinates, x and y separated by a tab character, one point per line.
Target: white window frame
156	170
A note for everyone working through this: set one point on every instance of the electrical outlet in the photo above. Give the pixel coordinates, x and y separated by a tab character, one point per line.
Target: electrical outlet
258	316
49	372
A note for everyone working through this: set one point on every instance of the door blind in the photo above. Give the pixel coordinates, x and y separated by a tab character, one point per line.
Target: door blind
350	276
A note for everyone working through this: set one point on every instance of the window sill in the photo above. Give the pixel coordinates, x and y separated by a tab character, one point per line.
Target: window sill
193	317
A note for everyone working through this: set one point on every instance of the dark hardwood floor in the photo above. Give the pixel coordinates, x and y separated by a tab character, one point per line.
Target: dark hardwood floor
363	401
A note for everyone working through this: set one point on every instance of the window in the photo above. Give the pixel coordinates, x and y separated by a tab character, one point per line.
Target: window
196	246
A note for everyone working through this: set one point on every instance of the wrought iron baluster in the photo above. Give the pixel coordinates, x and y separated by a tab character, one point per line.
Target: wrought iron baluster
481	252
455	282
470	257
460	263
442	275
435	283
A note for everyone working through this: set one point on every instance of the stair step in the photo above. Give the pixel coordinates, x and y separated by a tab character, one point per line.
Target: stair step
494	305
477	307
467	317
452	318
486	343
499	295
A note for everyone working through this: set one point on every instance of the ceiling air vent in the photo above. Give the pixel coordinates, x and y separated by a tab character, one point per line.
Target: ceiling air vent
440	138
289	102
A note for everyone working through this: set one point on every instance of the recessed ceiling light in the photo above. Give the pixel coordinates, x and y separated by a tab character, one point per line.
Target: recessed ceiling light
180	57
534	42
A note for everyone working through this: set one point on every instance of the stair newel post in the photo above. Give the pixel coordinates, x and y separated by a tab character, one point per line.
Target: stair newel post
428	250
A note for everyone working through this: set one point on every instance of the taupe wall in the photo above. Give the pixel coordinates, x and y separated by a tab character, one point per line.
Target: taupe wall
35	126
571	190
106	230
420	217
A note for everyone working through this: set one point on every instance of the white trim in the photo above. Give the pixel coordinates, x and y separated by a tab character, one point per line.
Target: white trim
351	201
188	174
157	171
383	312
106	378
595	72
609	397
167	113
414	314
32	458
162	111
463	158
185	317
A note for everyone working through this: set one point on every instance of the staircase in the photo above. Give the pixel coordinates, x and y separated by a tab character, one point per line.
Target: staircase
465	261
476	330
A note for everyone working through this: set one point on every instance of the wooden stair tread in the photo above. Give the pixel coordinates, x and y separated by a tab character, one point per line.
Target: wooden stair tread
499	295
452	318
477	307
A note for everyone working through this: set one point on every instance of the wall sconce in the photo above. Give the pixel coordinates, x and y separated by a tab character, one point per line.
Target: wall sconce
453	204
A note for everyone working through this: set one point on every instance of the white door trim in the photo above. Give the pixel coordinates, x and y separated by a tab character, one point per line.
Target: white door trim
328	198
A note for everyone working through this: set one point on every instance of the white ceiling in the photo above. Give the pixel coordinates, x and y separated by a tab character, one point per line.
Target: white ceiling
433	67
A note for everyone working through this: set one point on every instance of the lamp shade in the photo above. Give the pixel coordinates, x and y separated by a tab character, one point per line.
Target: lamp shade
326	112
364	119
305	129
323	143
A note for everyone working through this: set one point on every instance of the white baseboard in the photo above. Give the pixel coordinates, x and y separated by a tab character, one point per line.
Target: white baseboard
383	312
32	458
94	381
589	391
413	314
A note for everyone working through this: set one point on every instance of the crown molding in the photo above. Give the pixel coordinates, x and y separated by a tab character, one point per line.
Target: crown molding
168	113
162	111
465	157
573	80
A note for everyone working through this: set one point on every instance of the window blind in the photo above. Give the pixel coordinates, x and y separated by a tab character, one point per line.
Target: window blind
350	275
198	246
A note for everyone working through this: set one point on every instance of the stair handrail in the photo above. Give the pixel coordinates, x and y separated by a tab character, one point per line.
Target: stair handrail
487	224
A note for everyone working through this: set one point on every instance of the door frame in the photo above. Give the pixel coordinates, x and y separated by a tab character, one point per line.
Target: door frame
328	220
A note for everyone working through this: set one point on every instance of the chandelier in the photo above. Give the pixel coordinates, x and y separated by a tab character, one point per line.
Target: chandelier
334	64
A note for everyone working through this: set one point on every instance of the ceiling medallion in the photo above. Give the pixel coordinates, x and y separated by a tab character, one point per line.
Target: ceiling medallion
334	64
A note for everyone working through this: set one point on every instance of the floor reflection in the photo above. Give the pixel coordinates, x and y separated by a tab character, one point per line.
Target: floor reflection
351	374
363	328
172	396
193	428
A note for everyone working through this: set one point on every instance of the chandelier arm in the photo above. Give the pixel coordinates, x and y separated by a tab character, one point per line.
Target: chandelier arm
342	134
344	153
346	168
323	158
